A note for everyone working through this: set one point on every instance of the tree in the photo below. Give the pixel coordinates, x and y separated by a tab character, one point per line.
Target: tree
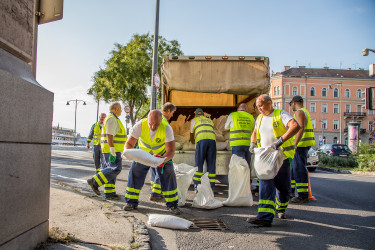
127	73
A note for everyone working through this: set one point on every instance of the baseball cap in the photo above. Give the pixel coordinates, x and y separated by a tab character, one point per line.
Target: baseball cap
297	98
198	111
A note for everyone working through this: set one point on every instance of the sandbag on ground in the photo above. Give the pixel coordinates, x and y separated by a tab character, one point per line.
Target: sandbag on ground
184	177
205	196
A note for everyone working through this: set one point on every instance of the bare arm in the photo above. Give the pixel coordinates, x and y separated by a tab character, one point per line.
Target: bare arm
293	128
169	150
130	143
110	140
254	136
192	138
301	119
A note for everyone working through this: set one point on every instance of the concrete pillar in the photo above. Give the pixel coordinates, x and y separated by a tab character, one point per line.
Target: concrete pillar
26	110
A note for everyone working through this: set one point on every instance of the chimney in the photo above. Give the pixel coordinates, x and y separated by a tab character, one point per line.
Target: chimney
286	68
325	67
302	67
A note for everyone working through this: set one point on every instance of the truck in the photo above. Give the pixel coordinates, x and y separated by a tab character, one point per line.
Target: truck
218	85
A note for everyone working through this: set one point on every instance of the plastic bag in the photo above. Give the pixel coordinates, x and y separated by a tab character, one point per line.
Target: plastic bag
143	157
205	197
267	162
184	176
239	183
168	221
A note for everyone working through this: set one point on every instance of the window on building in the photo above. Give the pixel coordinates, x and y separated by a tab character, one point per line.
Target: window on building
295	91
312	108
336	92
359	108
278	90
312	91
324	124
324	92
370	125
313	123
324	108
359	93
371	112
274	91
347	93
335	124
335	140
347	108
335	108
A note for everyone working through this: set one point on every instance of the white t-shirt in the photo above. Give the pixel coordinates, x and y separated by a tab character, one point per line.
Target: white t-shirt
112	126
267	136
192	124
136	132
229	123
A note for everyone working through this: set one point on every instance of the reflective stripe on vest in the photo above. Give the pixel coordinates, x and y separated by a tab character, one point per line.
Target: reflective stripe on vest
97	133
203	129
243	125
278	129
157	146
119	139
308	138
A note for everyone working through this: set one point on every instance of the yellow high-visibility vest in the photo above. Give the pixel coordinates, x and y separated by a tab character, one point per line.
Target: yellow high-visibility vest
243	125
156	146
203	129
119	139
308	138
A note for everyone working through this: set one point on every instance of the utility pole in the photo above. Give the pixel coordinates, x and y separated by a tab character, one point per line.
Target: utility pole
155	58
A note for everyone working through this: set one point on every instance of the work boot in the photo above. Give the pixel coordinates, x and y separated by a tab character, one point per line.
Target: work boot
174	210
156	198
91	184
129	207
259	222
281	215
115	197
299	200
292	195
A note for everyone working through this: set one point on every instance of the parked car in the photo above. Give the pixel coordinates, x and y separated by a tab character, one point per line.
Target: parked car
312	160
341	150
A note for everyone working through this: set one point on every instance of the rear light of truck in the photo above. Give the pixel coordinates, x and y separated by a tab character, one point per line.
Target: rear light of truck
225	57
241	57
208	57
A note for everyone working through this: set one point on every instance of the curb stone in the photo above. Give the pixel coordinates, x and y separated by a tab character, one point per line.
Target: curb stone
345	171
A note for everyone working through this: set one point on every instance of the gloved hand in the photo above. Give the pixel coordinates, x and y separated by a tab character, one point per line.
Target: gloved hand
112	154
252	146
277	144
159	156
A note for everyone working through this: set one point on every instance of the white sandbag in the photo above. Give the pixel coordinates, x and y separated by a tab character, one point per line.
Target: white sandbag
168	221
239	183
184	176
267	162
220	146
141	156
219	136
178	146
205	197
188	146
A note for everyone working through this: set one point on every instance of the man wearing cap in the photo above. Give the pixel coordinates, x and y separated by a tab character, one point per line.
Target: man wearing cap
95	132
167	111
303	140
203	135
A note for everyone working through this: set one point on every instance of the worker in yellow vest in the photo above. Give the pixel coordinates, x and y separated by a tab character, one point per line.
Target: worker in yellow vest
241	125
274	128
303	140
154	137
113	138
95	132
203	135
167	111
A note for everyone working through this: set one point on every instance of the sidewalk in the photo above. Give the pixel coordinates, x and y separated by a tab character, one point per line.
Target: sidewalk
91	222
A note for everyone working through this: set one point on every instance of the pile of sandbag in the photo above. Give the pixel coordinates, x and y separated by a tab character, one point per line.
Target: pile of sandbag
181	129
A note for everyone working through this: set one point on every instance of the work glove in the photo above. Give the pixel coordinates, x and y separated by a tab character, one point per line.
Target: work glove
159	156
112	154
252	146
277	144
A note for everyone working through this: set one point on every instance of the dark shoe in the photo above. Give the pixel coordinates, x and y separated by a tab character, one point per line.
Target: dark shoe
91	184
299	200
174	210
115	197
256	194
292	195
281	215
259	222
156	198
129	207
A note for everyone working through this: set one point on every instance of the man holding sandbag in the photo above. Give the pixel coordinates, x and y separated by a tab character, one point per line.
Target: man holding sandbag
113	138
167	111
274	128
155	137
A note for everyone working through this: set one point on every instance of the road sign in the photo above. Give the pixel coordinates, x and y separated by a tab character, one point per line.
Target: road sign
127	109
157	81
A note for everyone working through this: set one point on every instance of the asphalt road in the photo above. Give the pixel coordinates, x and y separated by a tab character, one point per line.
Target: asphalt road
342	217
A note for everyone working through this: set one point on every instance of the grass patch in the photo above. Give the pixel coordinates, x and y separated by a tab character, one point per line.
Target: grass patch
57	236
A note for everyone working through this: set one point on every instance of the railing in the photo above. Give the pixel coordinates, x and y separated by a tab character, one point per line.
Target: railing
358	114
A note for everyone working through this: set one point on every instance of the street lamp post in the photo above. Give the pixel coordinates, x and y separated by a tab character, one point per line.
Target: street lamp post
75	117
155	58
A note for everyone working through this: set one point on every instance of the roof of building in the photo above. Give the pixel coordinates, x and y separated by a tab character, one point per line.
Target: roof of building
326	72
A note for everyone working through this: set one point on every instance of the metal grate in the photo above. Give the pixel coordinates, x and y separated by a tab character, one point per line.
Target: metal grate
209	223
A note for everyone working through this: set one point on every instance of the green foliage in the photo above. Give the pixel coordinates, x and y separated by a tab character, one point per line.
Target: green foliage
365	148
336	161
127	73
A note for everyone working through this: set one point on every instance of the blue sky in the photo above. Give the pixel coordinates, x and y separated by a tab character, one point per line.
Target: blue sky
315	34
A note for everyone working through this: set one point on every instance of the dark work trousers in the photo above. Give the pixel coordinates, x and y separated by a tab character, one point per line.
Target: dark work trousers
98	157
205	151
107	176
242	151
300	173
155	182
268	189
136	179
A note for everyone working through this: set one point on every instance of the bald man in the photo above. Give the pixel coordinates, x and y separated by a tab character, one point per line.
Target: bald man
95	133
241	125
154	137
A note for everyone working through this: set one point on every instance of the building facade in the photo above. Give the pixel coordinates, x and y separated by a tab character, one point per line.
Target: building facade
334	97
